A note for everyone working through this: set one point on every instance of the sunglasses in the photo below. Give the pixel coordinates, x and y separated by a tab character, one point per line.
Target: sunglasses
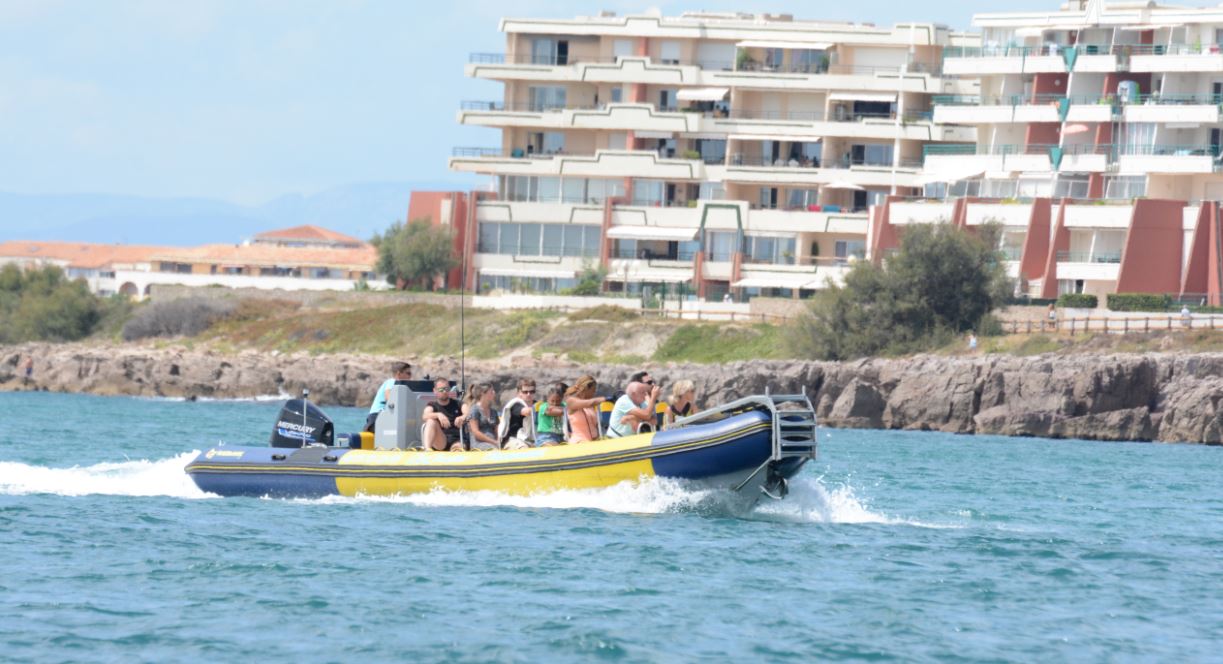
441	390
527	391
648	382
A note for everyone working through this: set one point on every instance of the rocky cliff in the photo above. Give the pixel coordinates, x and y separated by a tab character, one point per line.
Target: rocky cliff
1165	397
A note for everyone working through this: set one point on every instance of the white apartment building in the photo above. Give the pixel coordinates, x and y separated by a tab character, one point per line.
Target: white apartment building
1098	138
720	151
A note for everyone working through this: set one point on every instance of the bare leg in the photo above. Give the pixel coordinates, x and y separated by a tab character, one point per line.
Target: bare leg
434	438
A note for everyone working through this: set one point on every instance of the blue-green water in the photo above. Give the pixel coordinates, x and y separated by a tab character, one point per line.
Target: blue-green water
893	546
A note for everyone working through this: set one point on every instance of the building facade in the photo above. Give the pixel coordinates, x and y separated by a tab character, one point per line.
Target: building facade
726	152
301	258
1098	149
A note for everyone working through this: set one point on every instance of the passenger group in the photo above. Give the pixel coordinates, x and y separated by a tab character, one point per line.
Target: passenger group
566	414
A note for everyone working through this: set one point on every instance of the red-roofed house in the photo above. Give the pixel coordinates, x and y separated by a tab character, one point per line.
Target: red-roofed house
307	236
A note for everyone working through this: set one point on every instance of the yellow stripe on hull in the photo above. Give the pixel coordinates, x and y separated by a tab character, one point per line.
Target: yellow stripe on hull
519	483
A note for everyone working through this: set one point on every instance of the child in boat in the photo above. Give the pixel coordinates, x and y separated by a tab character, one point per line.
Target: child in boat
682	404
581	401
549	428
483	419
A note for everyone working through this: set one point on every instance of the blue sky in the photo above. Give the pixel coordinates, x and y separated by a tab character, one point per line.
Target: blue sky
245	100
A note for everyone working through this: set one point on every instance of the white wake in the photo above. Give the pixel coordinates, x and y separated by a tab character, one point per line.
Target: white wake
127	478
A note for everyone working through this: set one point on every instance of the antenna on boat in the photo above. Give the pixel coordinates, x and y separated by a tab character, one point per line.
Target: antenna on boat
463	304
305	412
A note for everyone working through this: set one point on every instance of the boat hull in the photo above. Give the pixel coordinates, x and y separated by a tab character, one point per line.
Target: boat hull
725	453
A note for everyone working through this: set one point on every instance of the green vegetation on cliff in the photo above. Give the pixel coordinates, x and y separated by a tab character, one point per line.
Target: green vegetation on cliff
44	305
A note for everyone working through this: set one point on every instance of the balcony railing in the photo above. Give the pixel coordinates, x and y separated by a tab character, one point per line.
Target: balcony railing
838	69
820	116
756	161
1121	50
1013	149
1011	253
1089	256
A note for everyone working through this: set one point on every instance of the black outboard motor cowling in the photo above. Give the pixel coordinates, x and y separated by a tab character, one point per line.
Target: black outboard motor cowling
294	430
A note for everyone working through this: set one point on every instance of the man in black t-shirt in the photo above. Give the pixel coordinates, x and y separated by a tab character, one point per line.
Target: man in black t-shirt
443	419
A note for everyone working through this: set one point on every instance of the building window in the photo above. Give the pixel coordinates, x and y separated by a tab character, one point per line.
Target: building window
846	249
535	239
1125	186
722	245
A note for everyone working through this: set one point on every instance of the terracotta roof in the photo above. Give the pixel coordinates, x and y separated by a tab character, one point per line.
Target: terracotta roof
308	233
83	255
363	259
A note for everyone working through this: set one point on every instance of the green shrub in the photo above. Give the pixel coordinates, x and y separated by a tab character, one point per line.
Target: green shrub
1078	301
941	283
1139	302
44	305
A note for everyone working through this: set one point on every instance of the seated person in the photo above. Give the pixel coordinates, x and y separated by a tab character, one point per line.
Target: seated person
483	419
549	430
443	417
683	394
399	371
581	401
520	417
635	406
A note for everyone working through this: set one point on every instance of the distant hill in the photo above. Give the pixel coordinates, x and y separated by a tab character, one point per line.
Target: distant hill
359	209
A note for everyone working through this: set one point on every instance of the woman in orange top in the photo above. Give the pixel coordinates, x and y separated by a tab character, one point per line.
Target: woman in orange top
581	402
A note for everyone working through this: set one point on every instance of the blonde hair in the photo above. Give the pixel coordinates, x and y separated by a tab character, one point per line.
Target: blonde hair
583	384
680	388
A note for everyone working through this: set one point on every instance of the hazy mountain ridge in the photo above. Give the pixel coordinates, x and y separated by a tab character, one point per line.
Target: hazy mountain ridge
358	209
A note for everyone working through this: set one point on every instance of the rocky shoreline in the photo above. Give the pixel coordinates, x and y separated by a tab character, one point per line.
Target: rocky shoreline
1167	397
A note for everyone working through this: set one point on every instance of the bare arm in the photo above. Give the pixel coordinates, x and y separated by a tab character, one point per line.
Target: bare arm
645	414
474	429
553	411
575	403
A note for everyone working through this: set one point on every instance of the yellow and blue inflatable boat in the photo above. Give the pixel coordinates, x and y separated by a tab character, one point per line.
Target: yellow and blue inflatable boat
754	445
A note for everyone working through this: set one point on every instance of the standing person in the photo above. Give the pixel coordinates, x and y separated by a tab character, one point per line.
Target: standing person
443	419
1186	316
483	419
682	403
399	371
581	402
635	406
972	341
29	368
549	429
521	413
1052	316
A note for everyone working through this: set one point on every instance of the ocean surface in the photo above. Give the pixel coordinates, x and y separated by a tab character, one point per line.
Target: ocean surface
893	546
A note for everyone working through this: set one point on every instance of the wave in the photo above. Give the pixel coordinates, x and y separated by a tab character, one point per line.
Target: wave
129	478
810	500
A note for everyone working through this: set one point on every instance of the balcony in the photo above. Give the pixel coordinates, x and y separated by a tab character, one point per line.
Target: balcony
614	117
1089	265
1114	214
971	61
751	169
913	125
1081	157
1195	158
918	211
602	164
1179	108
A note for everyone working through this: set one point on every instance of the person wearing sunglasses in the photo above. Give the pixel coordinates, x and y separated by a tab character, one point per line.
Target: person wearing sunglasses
443	419
520	415
399	371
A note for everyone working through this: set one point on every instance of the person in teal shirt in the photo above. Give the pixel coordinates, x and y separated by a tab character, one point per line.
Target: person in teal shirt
399	371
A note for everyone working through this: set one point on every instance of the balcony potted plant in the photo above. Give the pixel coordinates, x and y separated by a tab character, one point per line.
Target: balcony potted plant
691	154
744	60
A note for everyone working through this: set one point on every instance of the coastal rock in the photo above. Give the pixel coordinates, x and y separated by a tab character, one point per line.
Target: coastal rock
858	407
1165	397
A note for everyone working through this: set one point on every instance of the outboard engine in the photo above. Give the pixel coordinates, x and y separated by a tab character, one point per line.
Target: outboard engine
296	427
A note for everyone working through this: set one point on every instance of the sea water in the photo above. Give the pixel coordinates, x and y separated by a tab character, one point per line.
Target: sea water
893	546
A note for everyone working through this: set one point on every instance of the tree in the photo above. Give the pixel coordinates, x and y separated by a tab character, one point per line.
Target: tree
589	281
414	252
42	304
940	283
